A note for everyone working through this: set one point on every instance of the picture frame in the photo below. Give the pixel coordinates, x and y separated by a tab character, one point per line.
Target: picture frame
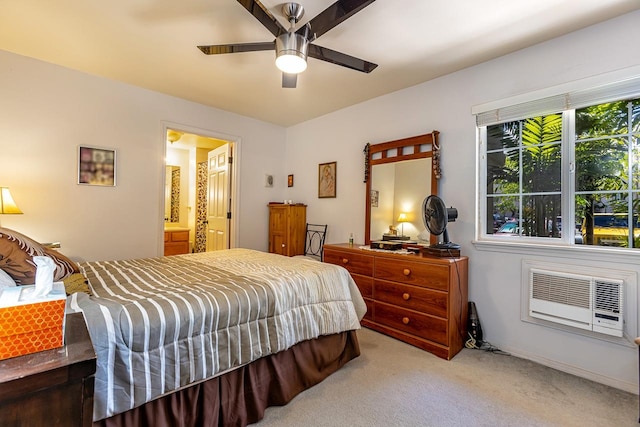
289	180
96	166
374	198
327	180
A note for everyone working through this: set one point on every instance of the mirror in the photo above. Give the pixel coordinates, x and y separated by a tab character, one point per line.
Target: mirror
400	175
172	194
400	189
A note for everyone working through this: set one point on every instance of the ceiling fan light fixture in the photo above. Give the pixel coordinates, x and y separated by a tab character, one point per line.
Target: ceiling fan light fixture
291	53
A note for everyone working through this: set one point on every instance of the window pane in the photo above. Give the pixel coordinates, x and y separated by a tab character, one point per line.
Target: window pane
500	211
602	120
601	164
542	129
541	153
502	172
541	216
541	168
604	219
502	136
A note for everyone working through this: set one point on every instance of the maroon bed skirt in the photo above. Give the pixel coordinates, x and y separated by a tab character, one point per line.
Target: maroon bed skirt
240	397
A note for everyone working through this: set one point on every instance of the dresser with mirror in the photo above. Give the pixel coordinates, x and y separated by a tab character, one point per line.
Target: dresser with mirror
414	297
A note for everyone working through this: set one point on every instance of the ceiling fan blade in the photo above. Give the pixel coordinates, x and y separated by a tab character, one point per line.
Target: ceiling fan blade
334	15
325	54
289	80
236	47
264	16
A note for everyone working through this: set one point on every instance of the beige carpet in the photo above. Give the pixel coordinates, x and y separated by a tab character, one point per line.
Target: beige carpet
395	384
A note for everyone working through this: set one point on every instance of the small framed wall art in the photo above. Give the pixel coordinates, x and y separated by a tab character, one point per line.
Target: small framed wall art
96	166
374	198
327	180
290	181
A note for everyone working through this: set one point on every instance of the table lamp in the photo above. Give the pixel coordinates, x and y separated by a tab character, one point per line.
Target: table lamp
7	205
402	218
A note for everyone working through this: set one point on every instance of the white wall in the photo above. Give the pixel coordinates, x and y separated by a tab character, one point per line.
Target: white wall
445	105
47	111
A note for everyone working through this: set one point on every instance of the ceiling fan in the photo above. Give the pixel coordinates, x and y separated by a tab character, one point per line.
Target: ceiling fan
293	47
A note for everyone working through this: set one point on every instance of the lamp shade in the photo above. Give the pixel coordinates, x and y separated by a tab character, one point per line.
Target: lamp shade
291	53
402	217
7	205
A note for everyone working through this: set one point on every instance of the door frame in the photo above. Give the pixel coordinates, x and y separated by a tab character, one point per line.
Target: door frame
234	205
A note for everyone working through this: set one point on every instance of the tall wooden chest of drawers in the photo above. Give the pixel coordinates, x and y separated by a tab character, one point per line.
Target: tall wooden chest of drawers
287	228
419	299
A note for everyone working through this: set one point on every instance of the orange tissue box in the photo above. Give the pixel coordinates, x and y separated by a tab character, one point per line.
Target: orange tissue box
29	325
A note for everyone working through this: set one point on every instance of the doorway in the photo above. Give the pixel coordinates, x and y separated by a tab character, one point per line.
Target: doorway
190	201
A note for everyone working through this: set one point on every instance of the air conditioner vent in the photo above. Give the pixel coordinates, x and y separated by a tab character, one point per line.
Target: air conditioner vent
561	288
607	297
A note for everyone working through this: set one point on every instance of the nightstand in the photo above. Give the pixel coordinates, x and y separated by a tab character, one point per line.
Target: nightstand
52	387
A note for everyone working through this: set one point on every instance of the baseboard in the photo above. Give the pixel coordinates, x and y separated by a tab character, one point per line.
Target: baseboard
573	370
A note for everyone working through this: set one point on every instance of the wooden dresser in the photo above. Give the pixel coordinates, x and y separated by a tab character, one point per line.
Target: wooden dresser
51	387
176	241
419	299
287	225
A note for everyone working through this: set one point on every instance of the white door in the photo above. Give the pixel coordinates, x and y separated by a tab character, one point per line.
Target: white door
218	200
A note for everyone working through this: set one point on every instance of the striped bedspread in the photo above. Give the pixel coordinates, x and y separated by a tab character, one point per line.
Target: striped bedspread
159	324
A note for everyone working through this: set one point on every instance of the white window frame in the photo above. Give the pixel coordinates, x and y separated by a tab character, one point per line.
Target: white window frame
566	99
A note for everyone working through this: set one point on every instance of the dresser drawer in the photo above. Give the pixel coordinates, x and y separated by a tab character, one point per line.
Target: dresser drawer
365	284
180	236
414	273
354	262
414	323
176	242
413	297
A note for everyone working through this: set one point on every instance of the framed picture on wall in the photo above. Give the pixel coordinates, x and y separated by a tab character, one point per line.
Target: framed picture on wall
290	181
327	180
96	166
374	198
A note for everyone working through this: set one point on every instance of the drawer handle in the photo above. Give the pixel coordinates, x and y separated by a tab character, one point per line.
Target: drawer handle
405	320
406	296
345	261
406	272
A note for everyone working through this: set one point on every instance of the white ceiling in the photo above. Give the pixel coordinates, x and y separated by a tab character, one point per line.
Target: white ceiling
152	44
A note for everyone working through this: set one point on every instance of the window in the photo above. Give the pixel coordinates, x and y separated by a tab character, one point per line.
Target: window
569	176
607	182
523	163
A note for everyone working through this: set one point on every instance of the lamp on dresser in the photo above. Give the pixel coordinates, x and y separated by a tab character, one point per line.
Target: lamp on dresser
402	218
7	205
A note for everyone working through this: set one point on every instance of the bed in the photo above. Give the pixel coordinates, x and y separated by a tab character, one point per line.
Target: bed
201	339
213	338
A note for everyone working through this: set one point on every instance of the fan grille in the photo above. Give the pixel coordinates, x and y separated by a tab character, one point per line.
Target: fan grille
434	214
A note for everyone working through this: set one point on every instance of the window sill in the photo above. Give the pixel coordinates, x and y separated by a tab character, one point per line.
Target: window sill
596	253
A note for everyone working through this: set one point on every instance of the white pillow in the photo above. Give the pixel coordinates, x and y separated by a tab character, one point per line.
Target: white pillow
6	280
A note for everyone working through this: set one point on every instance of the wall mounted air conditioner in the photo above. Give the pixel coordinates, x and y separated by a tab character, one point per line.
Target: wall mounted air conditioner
585	302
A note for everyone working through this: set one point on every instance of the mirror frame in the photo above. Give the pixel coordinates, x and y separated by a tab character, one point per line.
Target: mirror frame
415	147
